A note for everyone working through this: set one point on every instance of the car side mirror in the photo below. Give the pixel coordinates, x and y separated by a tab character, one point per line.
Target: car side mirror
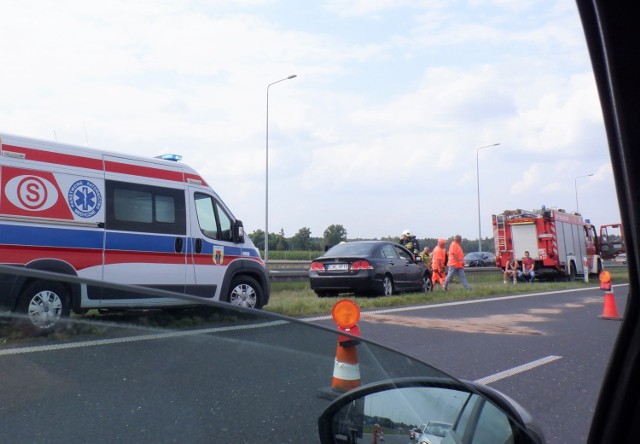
238	232
450	411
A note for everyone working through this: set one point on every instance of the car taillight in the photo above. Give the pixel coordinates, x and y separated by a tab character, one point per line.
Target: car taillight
317	266
361	265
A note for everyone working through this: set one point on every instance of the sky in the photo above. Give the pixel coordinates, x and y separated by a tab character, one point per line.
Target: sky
379	131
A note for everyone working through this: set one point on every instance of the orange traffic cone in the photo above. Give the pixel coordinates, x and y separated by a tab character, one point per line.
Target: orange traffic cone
346	370
610	310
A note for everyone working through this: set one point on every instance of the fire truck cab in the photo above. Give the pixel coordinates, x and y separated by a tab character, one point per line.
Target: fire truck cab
561	244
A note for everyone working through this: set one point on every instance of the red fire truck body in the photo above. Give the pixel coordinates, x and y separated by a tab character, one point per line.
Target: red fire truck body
561	244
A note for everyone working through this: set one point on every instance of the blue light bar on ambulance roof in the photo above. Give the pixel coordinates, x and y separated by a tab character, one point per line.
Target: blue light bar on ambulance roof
173	157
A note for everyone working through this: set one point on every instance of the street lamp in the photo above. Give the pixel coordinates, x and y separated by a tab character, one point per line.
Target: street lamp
575	185
478	177
266	188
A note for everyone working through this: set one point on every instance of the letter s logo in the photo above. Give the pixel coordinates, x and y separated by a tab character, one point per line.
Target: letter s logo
31	193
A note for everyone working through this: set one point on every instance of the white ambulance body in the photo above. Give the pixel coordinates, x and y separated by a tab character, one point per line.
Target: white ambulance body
116	218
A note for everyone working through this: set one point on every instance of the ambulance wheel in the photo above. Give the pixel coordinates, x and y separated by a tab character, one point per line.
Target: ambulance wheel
245	292
42	306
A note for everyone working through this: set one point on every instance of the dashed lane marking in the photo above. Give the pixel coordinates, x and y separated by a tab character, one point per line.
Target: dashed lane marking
515	370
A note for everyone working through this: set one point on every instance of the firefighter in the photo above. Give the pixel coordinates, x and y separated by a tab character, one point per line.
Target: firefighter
409	242
438	262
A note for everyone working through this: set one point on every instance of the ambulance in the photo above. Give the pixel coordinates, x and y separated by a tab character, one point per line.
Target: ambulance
115	218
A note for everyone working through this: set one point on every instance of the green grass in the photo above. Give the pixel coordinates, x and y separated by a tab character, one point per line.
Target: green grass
297	299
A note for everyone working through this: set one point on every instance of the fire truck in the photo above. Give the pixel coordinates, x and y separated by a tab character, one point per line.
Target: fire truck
611	241
563	245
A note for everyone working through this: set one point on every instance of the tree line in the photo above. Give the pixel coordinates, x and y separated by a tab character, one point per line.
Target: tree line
336	233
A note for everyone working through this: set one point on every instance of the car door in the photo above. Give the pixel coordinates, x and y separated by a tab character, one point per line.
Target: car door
411	274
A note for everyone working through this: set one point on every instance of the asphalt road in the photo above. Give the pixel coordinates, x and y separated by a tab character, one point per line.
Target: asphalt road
559	335
250	381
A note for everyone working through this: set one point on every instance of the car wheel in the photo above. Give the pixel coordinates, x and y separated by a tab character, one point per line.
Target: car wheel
387	286
427	284
42	305
245	292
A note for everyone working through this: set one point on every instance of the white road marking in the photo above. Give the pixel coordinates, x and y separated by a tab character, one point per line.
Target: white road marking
515	370
466	302
130	339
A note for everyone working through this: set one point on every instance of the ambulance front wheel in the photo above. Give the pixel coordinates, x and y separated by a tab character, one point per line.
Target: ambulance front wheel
245	292
42	306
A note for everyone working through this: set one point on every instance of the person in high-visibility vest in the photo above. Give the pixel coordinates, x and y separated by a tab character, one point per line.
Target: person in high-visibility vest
456	263
426	258
438	262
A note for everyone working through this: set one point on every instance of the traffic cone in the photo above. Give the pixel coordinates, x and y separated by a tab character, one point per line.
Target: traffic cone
346	370
610	310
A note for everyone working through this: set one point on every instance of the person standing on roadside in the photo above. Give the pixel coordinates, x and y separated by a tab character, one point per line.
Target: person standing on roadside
438	262
456	263
409	241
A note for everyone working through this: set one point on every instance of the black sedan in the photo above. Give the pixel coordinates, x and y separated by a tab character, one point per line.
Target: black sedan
368	267
480	259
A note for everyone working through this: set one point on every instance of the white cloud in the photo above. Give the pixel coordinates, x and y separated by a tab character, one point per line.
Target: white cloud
379	130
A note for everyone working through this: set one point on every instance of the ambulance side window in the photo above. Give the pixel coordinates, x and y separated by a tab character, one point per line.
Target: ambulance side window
213	220
145	208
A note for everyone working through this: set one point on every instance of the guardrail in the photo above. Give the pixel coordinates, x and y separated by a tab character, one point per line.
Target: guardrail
298	271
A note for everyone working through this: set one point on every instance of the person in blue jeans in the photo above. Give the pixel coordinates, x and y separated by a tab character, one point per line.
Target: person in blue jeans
527	273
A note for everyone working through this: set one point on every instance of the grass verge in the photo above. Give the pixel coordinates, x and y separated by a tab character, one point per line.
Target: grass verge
296	299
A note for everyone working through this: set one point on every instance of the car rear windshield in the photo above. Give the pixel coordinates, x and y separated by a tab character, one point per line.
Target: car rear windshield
350	249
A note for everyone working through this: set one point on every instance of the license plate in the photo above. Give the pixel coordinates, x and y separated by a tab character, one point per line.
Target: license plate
338	267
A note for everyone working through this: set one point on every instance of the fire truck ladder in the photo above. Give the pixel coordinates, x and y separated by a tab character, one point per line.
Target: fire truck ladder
501	232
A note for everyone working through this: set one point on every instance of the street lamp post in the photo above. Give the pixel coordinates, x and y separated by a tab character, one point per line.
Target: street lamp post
266	187
478	178
575	185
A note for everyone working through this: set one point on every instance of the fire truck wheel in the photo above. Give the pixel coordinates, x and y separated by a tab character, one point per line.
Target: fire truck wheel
245	292
42	305
572	272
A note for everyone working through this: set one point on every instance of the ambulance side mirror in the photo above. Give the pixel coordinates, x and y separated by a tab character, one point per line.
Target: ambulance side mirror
238	232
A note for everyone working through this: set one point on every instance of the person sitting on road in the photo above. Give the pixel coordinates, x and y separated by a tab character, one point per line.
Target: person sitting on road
511	271
527	273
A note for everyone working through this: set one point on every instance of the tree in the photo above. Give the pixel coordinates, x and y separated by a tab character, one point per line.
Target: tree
334	234
257	237
281	241
302	239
